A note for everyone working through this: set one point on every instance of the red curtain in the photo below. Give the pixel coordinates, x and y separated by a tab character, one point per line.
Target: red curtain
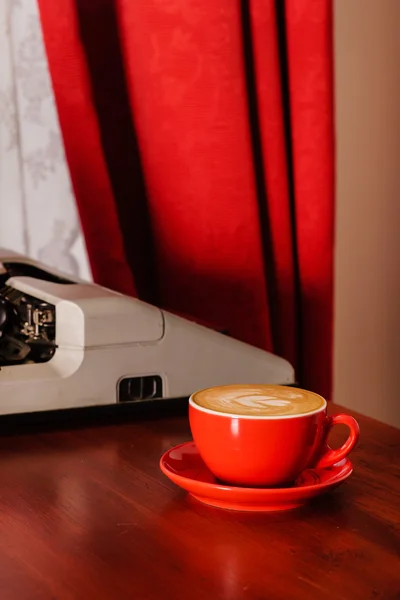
199	137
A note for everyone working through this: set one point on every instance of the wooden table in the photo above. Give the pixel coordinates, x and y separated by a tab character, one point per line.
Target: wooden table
86	514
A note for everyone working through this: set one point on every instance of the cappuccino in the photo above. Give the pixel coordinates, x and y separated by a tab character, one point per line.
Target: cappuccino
258	400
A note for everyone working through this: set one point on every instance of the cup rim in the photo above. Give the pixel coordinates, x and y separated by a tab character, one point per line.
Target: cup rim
217	413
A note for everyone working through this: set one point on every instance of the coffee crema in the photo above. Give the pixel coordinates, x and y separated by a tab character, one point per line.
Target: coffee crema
258	400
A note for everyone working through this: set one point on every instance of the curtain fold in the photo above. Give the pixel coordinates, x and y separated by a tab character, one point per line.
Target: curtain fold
72	85
310	85
199	139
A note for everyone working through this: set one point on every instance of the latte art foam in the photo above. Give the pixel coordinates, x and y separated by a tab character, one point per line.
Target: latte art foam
258	400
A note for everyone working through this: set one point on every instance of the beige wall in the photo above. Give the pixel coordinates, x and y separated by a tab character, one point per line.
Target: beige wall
367	302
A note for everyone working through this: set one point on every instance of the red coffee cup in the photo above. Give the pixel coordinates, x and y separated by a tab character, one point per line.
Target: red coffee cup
267	451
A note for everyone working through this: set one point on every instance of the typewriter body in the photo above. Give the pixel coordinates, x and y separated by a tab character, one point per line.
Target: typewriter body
66	343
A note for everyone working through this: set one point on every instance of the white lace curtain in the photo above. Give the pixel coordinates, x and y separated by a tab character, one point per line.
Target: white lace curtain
38	215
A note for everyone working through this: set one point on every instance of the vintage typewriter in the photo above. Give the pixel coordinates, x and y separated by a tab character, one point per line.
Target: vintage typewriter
67	343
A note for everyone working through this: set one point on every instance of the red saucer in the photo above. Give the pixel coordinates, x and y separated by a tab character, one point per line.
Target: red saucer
185	468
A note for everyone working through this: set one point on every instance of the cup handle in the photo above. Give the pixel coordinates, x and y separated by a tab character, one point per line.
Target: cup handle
331	457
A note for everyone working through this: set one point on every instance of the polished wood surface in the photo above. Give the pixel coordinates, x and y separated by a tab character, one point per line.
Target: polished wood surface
86	513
